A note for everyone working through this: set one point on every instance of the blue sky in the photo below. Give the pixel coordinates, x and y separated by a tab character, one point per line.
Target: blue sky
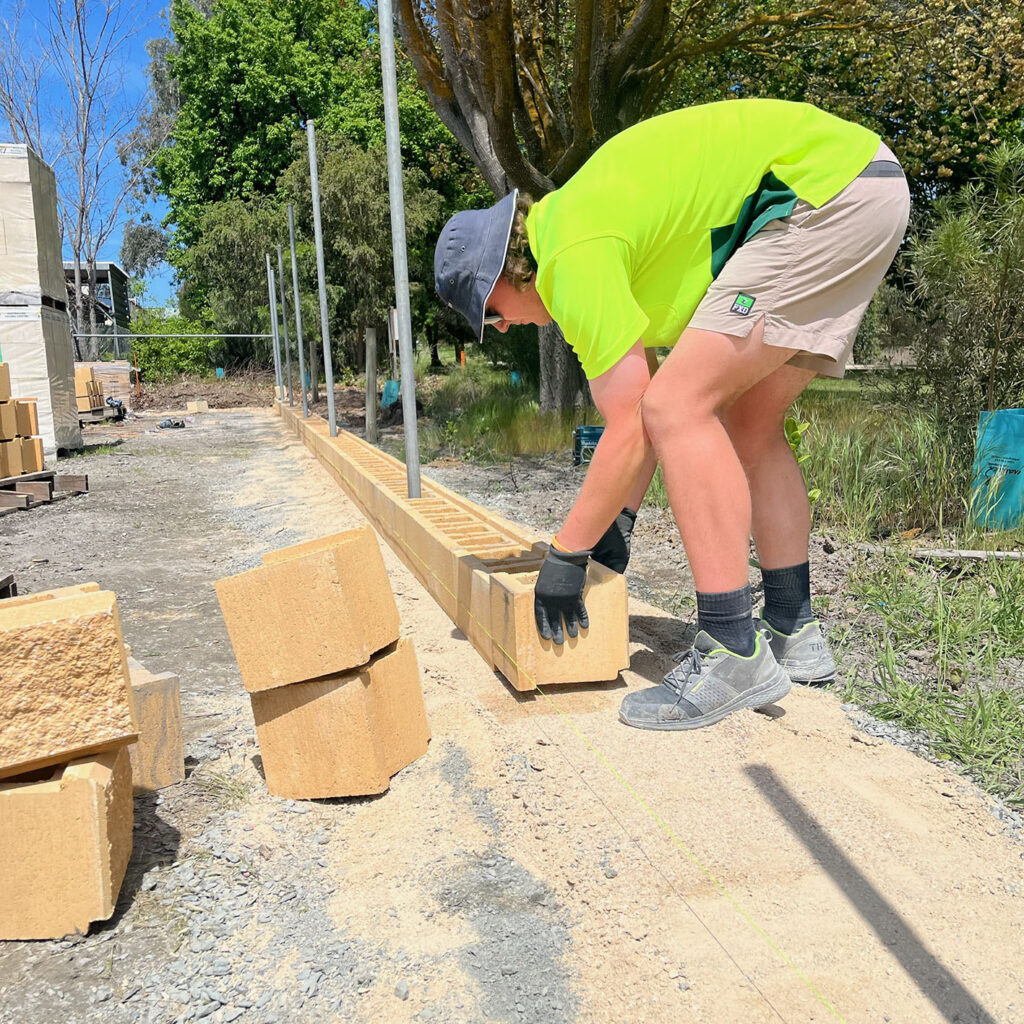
149	21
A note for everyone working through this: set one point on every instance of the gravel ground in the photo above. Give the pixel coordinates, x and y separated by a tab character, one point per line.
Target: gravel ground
230	909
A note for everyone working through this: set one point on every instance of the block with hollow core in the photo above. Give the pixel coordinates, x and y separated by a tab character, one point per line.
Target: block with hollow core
158	755
8	421
27	414
344	735
527	661
64	687
65	842
312	610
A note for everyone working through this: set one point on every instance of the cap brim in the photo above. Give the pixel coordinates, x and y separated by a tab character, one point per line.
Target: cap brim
495	247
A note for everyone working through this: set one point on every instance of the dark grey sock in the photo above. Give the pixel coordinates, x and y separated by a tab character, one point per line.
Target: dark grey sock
787	597
727	617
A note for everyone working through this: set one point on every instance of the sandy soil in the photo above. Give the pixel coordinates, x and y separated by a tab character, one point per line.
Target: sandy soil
541	862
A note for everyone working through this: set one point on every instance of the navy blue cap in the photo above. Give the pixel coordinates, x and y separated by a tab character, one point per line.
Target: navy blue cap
469	258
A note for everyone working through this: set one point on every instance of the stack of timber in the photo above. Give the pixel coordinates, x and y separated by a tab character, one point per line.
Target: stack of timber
67	716
480	568
335	693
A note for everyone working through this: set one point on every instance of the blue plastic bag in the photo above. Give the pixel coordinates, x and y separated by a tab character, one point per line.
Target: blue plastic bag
997	493
390	394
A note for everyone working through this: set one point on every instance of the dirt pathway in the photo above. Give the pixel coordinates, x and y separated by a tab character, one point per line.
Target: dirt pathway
541	863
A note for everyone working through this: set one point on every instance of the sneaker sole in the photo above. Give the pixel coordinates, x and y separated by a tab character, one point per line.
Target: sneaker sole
798	676
767	693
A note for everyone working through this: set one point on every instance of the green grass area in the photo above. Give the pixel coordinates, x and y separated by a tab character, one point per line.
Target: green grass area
946	643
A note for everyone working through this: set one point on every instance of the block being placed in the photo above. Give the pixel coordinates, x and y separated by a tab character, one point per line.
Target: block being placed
27	413
312	610
158	756
64	686
345	735
65	841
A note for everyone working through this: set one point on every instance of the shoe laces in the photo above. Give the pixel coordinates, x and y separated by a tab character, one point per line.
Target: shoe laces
689	663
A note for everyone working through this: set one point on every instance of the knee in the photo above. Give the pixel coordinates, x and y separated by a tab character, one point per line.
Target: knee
754	437
665	412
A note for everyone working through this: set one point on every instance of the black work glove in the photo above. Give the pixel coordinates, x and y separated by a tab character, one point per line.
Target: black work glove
612	549
559	591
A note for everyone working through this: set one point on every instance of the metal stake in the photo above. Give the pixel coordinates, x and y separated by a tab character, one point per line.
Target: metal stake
273	327
314	181
284	324
371	384
398	247
298	309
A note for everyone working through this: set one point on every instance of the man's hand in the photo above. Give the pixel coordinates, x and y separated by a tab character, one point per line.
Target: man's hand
612	549
559	592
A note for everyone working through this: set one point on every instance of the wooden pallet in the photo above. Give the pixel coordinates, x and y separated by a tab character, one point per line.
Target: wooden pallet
102	414
42	488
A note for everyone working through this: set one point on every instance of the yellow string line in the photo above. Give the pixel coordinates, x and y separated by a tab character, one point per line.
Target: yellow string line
636	796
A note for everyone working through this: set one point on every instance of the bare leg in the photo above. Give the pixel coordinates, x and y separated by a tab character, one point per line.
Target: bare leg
781	513
706	483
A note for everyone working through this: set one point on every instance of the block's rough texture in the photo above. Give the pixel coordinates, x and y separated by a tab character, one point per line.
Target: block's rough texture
313	610
64	687
345	735
158	756
65	842
28	417
476	565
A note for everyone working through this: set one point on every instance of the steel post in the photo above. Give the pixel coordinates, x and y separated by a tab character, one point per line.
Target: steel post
314	181
297	306
398	244
273	327
284	325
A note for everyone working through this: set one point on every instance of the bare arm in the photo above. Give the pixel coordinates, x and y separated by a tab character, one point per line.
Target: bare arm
623	462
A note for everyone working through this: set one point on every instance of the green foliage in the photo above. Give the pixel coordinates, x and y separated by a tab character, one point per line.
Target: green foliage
795	431
967	327
168	357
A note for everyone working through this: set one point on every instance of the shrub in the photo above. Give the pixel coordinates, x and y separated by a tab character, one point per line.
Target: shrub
164	358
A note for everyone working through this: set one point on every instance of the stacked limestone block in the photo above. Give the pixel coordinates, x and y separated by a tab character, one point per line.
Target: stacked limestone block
67	715
336	695
158	756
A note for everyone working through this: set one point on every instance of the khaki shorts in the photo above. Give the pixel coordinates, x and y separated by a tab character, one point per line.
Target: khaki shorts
811	275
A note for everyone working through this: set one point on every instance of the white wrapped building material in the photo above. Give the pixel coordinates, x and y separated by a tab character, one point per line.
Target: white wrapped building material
31	263
35	342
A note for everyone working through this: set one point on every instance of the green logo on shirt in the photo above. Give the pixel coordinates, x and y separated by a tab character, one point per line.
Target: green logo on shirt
743	304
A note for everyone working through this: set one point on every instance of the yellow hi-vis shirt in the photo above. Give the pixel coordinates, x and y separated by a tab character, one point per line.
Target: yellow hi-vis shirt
627	248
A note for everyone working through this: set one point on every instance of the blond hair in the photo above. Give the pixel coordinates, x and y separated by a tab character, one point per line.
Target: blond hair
520	266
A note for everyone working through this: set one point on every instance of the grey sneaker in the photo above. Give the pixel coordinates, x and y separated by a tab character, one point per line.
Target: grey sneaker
804	655
708	683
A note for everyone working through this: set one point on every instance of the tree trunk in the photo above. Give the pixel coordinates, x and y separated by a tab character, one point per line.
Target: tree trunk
93	348
78	292
563	384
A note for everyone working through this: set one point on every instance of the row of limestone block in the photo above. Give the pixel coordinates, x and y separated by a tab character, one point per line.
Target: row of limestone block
81	725
335	692
480	568
21	450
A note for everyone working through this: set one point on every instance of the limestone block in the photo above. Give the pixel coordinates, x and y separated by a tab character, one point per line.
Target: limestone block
65	841
345	735
49	595
31	454
312	610
64	687
5	382
8	421
595	655
158	756
10	458
27	414
200	406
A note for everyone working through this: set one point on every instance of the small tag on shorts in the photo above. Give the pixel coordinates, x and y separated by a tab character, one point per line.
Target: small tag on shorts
743	304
